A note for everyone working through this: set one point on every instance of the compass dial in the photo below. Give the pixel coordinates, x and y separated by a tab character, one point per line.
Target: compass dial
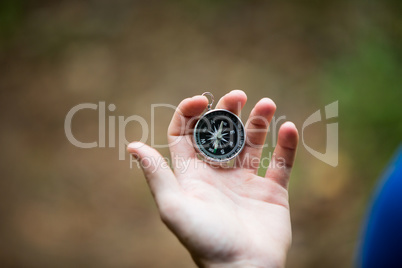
219	135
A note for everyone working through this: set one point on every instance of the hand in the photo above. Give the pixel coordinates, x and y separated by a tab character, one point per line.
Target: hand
225	217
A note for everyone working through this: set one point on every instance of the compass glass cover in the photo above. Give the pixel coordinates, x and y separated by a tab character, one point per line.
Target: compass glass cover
219	135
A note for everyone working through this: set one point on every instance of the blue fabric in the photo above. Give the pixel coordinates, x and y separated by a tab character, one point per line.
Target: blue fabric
382	238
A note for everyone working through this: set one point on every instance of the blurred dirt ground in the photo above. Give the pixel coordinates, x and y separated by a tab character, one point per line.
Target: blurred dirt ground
62	206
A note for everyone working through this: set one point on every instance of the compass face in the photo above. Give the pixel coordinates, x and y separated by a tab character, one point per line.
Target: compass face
219	135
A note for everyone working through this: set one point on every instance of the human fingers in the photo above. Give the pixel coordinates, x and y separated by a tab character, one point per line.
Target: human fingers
232	101
256	131
181	126
158	174
284	154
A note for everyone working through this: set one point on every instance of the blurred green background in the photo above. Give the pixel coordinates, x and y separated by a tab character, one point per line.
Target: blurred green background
62	206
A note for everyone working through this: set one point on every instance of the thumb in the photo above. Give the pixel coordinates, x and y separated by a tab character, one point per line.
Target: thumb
158	174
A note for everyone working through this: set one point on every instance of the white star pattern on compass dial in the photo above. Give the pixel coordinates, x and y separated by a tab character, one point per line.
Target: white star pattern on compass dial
217	136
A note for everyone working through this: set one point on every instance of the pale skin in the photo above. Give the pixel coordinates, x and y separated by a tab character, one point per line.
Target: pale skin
225	217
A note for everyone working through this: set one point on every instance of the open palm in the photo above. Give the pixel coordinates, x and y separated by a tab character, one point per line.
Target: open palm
225	217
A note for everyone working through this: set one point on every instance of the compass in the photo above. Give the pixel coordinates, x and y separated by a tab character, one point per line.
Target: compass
219	134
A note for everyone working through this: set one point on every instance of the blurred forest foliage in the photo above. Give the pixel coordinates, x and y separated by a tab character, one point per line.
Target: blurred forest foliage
69	207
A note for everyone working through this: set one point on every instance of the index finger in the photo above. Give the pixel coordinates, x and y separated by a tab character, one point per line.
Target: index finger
182	125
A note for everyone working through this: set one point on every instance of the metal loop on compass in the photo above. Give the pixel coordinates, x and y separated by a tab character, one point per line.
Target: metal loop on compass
206	94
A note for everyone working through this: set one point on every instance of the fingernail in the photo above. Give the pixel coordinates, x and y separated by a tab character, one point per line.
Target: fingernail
134	145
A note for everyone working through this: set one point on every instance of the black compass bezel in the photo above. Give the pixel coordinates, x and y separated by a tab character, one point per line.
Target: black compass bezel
237	147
